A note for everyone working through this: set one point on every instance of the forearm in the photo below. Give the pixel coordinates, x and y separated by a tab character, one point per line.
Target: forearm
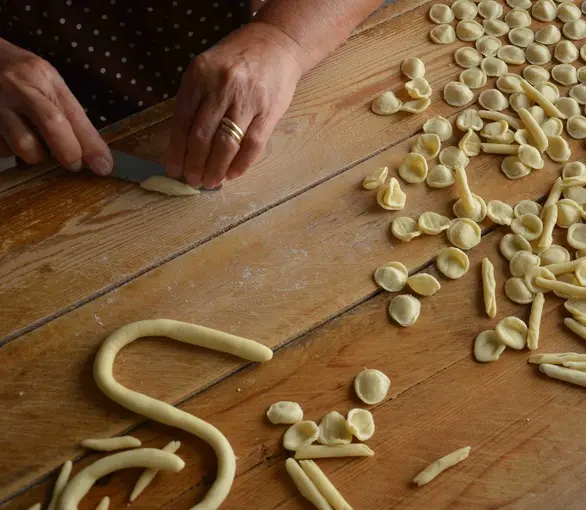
316	26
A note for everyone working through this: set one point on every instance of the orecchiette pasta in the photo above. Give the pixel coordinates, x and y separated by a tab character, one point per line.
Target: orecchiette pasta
432	223
413	67
386	104
405	228
390	196
576	127
405	310
487	348
493	99
424	284
452	263
438	126
391	277
457	94
440	176
469	30
374	181
441	13
473	78
566	52
414	167
512	332
428	145
464	233
443	34
469	119
521	37
564	74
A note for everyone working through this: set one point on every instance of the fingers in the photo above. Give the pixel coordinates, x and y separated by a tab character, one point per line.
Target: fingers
201	136
95	151
5	151
224	148
252	146
55	129
19	139
180	126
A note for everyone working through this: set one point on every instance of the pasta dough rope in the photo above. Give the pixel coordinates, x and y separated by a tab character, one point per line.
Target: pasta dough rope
323	484
558	358
489	287
440	465
541	142
535	321
60	484
81	483
166	413
110	444
564	374
306	487
316	451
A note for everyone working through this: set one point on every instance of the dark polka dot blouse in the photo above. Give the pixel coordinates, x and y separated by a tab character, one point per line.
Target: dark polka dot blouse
119	56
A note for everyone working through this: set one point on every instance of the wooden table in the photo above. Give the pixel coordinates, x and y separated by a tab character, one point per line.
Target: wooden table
284	256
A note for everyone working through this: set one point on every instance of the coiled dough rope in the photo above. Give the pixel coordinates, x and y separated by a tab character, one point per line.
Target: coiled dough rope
166	413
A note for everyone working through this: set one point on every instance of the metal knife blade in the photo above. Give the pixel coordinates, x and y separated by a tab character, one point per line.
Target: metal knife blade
133	169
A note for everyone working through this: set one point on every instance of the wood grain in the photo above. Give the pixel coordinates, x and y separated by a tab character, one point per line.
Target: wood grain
525	430
68	238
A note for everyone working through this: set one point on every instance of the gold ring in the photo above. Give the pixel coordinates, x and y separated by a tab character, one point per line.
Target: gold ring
232	125
229	131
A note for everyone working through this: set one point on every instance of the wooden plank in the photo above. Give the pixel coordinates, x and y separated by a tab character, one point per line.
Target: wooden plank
271	279
525	430
59	227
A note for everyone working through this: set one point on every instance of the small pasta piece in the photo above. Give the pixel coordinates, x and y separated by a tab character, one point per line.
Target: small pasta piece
285	412
513	168
576	127
493	99
558	149
441	13
499	148
528	226
555	254
578	93
466	195
544	10
565	267
323	485
527	207
305	486
487	348
386	104
470	144
499	212
577	307
552	127
569	212
494	66
575	29
405	228
576	193
438	126
535	75
453	157
414	167
509	83
567	11
432	223
521	37
550	218
488	45
537	54
428	145
513	122
300	435
477	214
60	484
574	169
404	310
495	27
111	444
564	74
577	236
452	263
576	327
564	374
104	504
541	142
576	365
519	100
443	34
512	332
424	284
554	193
518	18
535	321
541	100
558	358
333	430
440	465
469	30
568	106
375	180
516	290
522	262
413	67
440	176
418	88
489	287
549	34
392	277
473	78
390	196
457	94
490	9
360	423
320	451
495	130
371	386
530	156
464	233
567	289
464	9
511	55
416	106
469	119
537	113
512	243
566	52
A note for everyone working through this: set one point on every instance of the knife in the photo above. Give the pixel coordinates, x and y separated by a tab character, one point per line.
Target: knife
133	169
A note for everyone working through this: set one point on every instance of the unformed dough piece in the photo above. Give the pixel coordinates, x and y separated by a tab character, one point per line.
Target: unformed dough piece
499	212
414	167
424	284
457	94
487	348
391	277
168	186
371	386
375	180
489	287
541	142
386	104
413	67
564	374
439	176
285	412
469	30
564	74
577	236
511	54
452	262
512	332
149	474
516	290
111	444
440	465
306	487
535	321
439	126
405	228
390	196
324	485
473	78
166	413
469	119
300	435
443	34
512	243
493	99
361	423
82	482
432	223
333	430
405	310
576	127
320	451
60	484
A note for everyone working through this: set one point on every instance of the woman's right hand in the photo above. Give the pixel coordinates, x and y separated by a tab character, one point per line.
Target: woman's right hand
36	103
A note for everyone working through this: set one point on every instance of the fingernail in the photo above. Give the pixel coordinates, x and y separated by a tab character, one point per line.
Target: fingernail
100	165
76	167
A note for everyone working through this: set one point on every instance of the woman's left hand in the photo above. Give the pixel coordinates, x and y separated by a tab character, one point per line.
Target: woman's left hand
249	77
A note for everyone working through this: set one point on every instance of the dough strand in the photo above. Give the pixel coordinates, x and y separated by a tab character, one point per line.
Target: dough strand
60	483
111	444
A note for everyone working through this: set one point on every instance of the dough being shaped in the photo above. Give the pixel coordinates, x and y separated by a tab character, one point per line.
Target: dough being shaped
285	412
361	423
168	186
333	430
487	348
300	435
404	310
371	386
440	465
166	413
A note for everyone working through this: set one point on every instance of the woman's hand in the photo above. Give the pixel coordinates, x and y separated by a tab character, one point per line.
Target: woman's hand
249	77
35	103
